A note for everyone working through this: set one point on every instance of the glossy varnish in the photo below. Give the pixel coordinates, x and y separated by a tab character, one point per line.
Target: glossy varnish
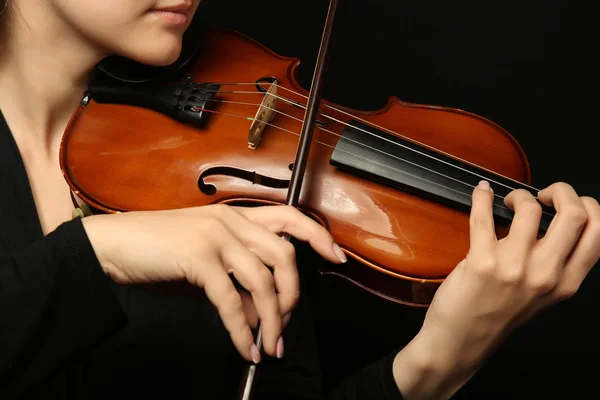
122	158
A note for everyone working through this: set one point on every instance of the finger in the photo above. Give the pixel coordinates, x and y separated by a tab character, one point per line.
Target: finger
272	251
287	219
252	315
568	223
482	232
222	293
252	274
249	308
526	222
585	254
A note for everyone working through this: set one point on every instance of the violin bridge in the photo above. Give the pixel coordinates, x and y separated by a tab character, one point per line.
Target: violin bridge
264	115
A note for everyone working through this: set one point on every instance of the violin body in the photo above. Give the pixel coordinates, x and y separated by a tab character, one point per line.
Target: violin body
123	157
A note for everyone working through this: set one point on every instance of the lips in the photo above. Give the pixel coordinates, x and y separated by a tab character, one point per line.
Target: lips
177	14
181	8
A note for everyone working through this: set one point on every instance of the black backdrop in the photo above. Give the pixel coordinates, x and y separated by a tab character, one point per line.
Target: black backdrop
531	67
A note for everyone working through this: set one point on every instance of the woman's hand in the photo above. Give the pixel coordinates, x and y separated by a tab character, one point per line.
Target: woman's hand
203	246
500	285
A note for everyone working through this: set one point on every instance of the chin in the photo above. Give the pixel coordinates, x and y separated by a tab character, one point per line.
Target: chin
161	57
157	54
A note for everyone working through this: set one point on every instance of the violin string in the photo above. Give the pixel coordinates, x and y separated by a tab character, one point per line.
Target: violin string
244	103
336	134
359	143
359	156
378	127
394	143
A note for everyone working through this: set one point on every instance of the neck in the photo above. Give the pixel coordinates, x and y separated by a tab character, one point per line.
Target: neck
45	68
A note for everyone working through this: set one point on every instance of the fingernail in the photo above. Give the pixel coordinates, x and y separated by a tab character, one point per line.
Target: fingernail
280	347
339	252
255	353
485	185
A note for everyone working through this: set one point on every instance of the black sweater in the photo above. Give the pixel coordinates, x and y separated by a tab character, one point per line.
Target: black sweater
59	314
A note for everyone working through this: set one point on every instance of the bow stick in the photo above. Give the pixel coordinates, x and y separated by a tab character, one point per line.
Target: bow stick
306	135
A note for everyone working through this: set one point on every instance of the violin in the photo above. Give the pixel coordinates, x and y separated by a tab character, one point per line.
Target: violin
392	186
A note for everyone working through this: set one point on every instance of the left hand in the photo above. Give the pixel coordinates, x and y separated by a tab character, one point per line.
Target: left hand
503	283
499	286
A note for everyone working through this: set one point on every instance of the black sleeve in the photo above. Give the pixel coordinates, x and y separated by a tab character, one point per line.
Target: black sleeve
375	381
55	301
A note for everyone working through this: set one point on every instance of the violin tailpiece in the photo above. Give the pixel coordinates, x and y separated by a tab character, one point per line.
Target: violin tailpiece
185	103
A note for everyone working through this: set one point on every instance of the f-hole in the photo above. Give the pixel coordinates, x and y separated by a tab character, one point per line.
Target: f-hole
250	176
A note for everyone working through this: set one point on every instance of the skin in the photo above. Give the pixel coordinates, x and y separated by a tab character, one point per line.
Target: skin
48	51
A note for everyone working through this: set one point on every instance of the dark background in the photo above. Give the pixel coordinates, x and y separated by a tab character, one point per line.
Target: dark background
530	66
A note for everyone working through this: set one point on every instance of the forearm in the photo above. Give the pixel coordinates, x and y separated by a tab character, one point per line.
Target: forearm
428	368
54	302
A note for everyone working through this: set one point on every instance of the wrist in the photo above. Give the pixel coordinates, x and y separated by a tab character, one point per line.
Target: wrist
434	366
96	229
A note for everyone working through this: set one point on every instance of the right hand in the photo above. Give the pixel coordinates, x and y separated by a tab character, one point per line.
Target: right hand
203	245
